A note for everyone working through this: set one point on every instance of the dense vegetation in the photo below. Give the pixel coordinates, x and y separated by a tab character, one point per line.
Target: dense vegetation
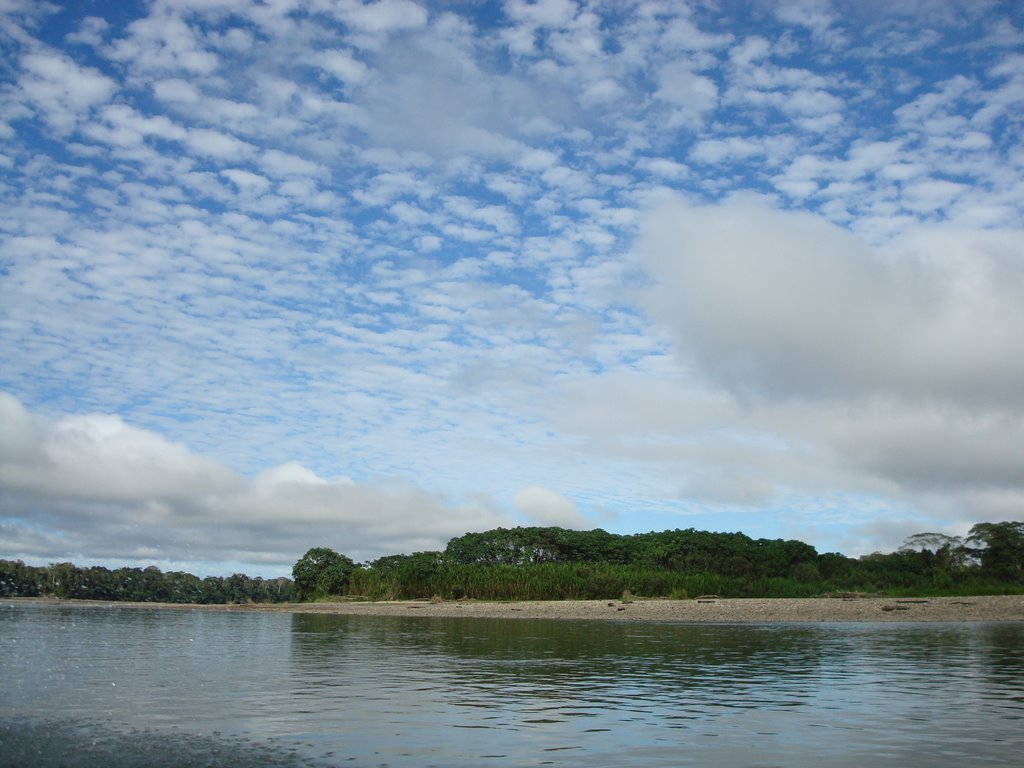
65	580
555	563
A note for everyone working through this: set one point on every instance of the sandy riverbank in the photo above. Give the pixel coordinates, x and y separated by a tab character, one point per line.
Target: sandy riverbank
985	608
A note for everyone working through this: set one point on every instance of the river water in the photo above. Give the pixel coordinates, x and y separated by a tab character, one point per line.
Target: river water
142	687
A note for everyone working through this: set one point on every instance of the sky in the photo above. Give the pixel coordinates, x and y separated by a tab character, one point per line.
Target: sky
282	274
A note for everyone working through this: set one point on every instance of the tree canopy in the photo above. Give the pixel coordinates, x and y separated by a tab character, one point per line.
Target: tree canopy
66	580
1000	546
321	572
555	563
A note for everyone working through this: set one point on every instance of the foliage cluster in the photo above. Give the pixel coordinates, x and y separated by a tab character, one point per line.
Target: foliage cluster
556	563
321	572
68	581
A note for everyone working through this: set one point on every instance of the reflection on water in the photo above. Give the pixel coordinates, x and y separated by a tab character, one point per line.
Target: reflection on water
45	743
275	689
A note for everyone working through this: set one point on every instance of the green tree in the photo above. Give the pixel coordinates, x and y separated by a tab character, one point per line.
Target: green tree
238	588
943	553
211	591
20	580
321	572
1000	547
834	564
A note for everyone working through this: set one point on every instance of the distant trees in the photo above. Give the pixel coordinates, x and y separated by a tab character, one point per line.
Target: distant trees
556	563
993	549
732	554
1000	547
321	572
937	552
147	585
20	580
521	546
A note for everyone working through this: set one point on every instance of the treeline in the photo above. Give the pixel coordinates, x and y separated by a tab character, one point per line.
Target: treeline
148	585
555	563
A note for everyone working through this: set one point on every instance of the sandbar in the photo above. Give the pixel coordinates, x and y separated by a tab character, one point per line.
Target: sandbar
1002	608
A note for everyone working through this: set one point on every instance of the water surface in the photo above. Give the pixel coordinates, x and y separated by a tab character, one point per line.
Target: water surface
136	686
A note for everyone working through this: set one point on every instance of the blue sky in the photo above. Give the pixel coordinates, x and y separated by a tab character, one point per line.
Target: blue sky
285	274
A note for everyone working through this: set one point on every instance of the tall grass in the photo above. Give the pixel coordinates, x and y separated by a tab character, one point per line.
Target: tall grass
564	581
601	581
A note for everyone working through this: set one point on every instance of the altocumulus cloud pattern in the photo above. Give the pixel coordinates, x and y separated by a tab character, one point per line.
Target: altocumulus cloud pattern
371	275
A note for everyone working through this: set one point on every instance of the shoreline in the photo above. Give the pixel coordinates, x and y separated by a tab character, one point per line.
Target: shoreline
985	608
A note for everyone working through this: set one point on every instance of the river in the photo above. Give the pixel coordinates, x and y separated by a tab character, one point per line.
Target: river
150	687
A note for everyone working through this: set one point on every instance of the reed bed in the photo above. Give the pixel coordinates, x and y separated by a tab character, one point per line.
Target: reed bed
564	581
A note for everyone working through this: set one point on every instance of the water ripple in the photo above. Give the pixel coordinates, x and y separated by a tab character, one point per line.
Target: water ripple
363	691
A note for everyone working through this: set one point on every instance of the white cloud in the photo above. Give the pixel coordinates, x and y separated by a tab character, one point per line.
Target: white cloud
247	183
90	31
542	506
691	95
816	15
712	151
751	49
121	493
682	33
164	43
98	457
395	242
435	99
929	195
124	127
554	14
603	91
61	90
382	16
176	90
887	372
788	305
812	103
931	447
218	145
284	164
342	65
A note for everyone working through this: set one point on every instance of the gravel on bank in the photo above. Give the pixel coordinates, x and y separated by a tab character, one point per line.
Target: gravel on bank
989	608
702	609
